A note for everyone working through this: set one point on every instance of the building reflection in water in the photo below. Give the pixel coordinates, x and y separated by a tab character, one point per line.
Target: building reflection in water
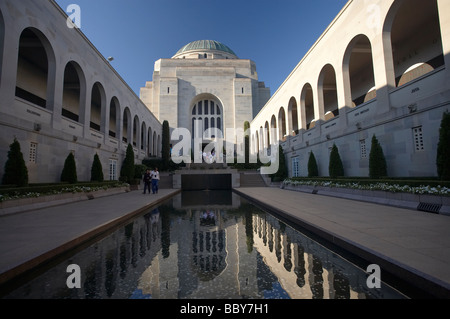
206	245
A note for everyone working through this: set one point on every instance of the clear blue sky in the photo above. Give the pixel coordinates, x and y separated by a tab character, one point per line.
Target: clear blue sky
274	34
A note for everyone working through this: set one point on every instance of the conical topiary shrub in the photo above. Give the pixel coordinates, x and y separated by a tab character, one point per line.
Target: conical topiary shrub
69	173
443	150
127	170
97	170
313	170
336	168
247	142
377	161
165	147
282	172
16	172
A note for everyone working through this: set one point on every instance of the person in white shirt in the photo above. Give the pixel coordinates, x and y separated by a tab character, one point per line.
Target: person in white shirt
155	180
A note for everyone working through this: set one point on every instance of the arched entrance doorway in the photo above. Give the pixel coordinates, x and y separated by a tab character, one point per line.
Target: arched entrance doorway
207	119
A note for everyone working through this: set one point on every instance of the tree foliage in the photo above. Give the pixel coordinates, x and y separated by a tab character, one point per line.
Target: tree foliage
16	172
336	168
377	161
313	170
127	170
443	149
247	142
282	172
165	147
97	170
69	172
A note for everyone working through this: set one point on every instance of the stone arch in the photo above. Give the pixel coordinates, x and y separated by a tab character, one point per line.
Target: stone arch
267	133
413	37
307	105
98	107
143	138
328	97
155	148
261	138
282	124
149	142
36	69
293	117
273	129
74	92
136	130
257	143
358	71
127	126
159	146
114	117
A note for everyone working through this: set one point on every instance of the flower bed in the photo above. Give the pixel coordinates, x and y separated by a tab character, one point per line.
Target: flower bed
27	200
379	186
428	198
7	194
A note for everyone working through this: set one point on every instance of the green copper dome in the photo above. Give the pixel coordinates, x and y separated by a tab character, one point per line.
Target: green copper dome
205	45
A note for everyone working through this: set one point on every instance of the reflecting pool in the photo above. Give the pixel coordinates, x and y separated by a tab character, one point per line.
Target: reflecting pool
205	245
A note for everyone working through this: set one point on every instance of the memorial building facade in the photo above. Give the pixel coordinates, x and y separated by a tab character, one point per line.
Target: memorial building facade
205	81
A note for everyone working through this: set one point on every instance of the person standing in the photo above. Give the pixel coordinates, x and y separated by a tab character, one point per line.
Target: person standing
155	180
147	181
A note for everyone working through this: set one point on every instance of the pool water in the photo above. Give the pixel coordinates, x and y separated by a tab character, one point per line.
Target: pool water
205	245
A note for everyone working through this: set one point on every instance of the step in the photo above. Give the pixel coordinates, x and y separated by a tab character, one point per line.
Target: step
252	180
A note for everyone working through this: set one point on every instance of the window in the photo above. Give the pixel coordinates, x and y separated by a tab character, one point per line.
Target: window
112	170
418	139
209	113
295	167
219	123
363	149
33	152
